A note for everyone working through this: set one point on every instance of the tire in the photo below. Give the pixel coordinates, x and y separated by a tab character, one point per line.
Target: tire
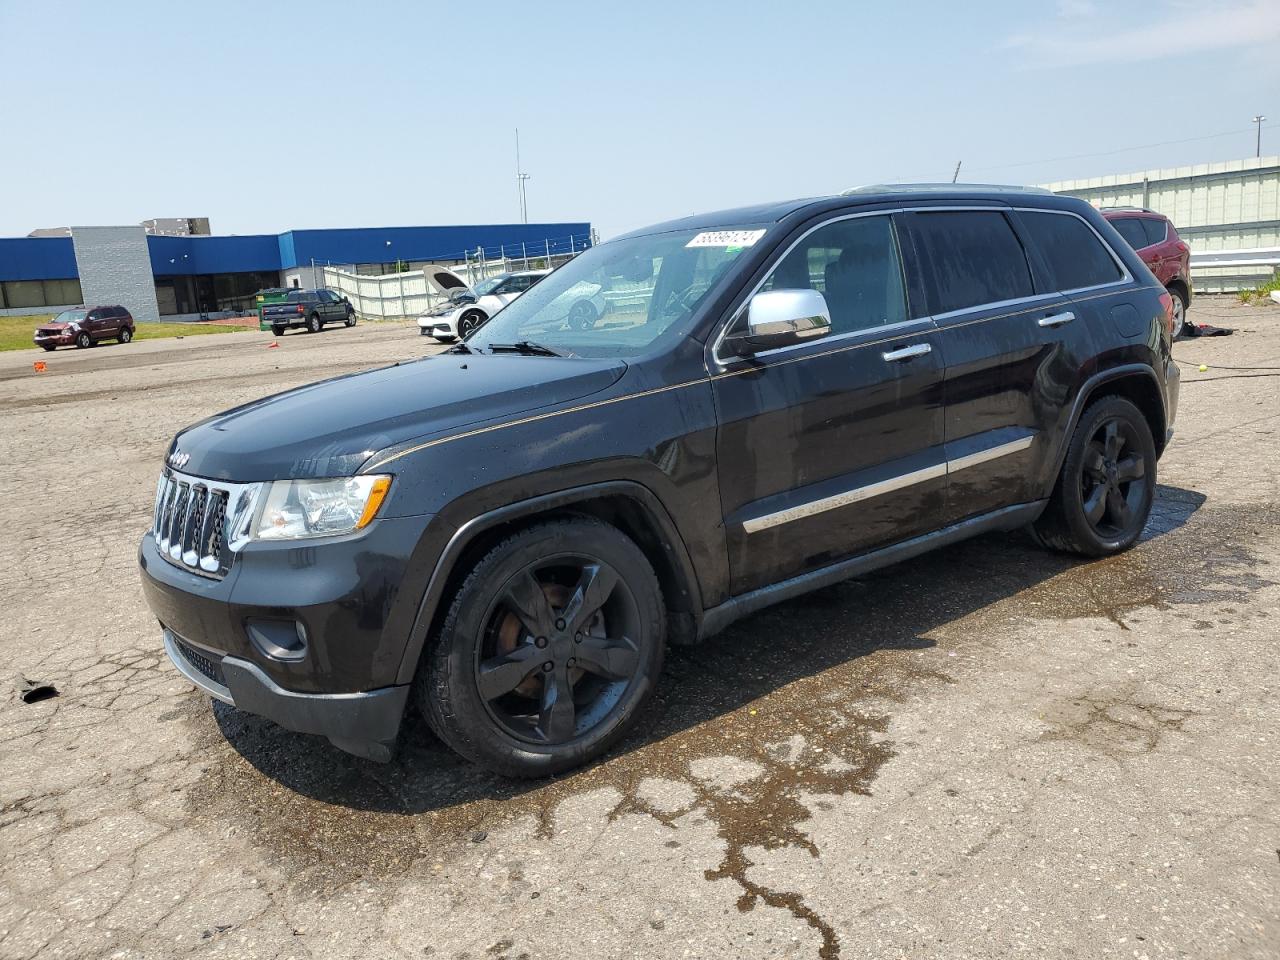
583	315
126	335
1179	312
314	325
446	339
277	331
469	322
350	321
49	347
492	684
1093	510
83	340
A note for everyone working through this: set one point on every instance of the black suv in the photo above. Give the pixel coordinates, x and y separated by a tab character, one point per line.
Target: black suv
780	397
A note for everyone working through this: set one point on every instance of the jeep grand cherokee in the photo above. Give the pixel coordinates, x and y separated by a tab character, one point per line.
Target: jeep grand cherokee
506	535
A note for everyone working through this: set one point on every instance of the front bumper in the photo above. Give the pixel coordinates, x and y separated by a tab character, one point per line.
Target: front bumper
365	724
309	634
438	326
61	340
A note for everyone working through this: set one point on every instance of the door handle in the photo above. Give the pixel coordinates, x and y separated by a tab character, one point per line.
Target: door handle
1057	319
907	353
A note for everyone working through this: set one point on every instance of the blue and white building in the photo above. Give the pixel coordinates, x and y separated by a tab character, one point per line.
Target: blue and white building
171	276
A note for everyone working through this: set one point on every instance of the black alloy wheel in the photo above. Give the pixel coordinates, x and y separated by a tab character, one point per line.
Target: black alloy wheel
548	650
469	322
1107	484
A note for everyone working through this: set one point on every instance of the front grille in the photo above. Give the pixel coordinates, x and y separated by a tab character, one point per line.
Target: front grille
206	665
200	524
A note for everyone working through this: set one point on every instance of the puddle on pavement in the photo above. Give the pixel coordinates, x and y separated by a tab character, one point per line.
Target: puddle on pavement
798	696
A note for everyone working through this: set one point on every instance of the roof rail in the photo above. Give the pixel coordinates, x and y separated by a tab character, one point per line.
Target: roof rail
1126	207
944	188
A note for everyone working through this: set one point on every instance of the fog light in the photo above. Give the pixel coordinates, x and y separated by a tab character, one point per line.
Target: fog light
278	639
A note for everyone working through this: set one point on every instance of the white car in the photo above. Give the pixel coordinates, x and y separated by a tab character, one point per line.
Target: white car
469	307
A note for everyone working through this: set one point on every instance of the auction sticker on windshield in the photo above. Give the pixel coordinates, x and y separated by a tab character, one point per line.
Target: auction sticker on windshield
726	238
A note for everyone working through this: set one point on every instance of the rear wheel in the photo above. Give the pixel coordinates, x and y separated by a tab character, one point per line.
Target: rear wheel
1179	312
313	323
1107	484
83	340
278	331
126	334
550	647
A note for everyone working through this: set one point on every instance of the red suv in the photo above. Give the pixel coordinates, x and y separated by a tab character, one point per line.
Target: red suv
1153	236
85	327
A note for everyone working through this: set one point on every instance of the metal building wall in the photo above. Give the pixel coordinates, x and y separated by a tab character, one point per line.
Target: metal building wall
1229	206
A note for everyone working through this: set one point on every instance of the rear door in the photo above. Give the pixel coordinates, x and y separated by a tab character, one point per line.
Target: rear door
832	448
1007	338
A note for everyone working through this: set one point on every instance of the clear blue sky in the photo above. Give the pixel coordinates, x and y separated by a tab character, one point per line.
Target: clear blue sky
270	115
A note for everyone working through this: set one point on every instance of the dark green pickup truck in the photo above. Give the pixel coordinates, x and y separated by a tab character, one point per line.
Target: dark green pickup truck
310	309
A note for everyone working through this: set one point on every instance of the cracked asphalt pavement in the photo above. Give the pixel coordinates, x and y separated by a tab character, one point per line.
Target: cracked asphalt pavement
985	752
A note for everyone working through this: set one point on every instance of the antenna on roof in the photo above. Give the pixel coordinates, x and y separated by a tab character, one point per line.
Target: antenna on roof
956	176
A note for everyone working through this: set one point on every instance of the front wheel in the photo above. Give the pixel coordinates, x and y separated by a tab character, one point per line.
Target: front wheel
469	322
550	647
48	347
125	335
314	324
1107	483
582	315
83	340
350	321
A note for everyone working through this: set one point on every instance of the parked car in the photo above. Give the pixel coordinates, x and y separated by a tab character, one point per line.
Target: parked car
508	534
85	327
310	309
1167	255
467	308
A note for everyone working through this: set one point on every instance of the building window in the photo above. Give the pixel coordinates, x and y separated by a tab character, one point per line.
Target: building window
19	294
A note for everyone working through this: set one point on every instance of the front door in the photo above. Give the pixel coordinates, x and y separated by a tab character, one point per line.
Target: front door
831	448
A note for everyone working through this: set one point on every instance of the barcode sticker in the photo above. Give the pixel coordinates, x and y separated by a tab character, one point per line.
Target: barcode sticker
726	238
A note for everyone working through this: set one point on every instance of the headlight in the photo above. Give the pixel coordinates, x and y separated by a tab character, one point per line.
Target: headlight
295	509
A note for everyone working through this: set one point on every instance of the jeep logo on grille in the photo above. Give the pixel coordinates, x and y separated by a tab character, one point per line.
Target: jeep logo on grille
178	459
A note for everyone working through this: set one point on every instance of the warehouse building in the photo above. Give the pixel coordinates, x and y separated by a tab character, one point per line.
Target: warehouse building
155	275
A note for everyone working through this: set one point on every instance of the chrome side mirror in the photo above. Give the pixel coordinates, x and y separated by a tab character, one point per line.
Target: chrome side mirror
782	318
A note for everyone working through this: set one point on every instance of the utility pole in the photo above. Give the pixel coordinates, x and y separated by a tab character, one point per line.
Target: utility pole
521	177
955	176
1258	120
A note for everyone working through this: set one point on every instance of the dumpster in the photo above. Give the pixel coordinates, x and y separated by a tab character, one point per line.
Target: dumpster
264	297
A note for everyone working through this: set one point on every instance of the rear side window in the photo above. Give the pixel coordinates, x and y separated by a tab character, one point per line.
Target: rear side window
1156	230
1075	256
975	257
1132	230
854	264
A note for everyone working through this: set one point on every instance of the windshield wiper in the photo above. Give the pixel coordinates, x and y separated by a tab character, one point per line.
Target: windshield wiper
526	348
460	347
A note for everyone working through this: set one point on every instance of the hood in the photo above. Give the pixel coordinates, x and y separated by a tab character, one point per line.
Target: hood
54	325
329	429
442	280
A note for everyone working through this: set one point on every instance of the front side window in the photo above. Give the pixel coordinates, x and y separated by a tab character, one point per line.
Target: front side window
621	298
975	258
1075	256
855	265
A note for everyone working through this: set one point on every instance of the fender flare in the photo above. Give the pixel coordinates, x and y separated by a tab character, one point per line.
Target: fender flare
1086	391
465	534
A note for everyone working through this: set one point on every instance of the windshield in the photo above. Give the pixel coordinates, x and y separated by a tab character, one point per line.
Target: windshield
617	299
485	287
70	316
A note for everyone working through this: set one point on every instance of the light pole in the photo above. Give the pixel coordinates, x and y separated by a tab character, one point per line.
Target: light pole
521	177
1258	120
